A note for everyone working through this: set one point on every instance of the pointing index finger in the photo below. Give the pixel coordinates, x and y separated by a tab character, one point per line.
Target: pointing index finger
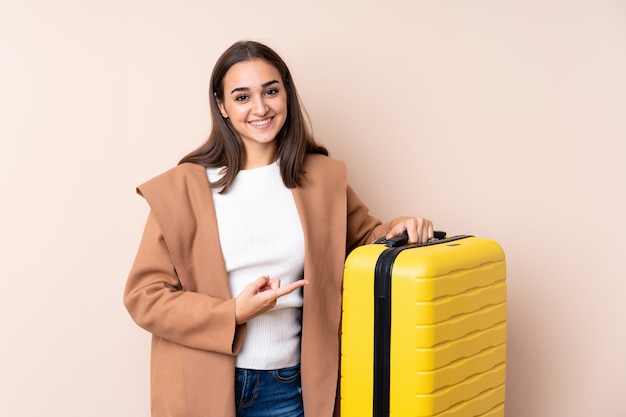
291	287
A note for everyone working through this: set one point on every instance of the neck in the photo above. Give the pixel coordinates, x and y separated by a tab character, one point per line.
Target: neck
260	159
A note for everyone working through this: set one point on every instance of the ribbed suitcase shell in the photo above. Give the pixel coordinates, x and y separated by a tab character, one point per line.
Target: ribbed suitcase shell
448	330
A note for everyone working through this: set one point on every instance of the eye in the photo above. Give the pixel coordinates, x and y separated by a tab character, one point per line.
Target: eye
241	97
271	92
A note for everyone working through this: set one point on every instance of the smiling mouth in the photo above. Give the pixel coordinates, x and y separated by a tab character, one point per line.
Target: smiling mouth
261	123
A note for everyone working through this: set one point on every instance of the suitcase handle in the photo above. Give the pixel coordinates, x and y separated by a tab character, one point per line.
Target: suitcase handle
403	238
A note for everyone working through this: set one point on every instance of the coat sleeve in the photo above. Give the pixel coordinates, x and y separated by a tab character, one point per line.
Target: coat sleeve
156	301
363	228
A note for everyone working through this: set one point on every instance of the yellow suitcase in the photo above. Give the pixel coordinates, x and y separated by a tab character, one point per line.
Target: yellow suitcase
424	329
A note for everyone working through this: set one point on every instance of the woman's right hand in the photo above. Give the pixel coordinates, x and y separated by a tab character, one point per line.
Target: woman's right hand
260	296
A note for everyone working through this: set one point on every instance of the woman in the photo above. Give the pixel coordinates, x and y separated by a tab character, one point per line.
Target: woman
238	275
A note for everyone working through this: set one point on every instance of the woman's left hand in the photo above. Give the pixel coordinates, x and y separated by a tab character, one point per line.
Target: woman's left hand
419	229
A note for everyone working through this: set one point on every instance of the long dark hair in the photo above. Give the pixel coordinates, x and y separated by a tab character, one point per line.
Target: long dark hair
224	147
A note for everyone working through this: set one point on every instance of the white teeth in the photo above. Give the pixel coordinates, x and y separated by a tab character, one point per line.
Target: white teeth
261	122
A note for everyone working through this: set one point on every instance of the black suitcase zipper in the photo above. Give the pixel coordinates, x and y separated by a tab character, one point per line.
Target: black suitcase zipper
382	330
382	318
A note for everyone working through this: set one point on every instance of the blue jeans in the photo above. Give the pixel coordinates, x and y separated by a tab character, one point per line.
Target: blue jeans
269	393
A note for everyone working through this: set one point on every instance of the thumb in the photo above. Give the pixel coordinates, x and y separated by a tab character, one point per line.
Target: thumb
396	230
273	283
259	284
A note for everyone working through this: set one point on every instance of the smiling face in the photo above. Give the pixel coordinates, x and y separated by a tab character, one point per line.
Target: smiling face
255	102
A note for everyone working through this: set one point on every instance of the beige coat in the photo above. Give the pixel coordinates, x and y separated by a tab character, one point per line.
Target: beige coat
178	290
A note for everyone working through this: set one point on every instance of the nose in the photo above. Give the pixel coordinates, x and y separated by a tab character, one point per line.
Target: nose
259	107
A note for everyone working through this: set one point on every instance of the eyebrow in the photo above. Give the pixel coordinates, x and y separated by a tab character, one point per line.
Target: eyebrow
267	84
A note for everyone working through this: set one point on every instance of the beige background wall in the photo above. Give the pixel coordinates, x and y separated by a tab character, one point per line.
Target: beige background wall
500	119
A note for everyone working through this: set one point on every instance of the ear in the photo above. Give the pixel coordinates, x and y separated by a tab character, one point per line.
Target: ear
220	105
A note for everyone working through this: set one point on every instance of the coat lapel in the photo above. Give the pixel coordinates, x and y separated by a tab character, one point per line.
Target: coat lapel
321	204
207	248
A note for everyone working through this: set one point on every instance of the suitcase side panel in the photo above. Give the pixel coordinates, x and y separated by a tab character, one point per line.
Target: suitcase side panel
357	348
450	345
